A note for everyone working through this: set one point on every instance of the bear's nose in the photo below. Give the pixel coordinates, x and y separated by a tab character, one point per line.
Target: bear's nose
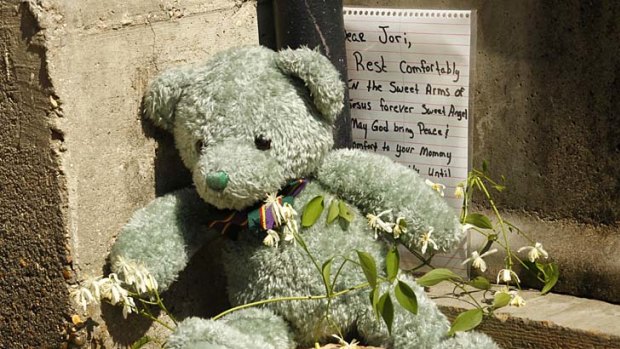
217	180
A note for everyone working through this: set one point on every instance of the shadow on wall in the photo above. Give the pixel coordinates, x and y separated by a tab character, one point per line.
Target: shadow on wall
200	288
547	105
199	291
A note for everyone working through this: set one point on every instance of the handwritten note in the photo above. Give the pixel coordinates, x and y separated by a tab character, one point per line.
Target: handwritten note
409	87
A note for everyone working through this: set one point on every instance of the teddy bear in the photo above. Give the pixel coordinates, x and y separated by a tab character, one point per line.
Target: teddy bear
254	128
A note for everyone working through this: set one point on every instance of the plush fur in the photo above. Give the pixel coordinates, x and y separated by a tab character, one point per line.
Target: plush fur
216	112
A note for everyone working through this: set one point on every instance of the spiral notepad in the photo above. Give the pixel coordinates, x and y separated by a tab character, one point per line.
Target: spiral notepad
409	85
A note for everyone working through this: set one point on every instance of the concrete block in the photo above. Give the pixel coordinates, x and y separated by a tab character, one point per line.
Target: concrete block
545	322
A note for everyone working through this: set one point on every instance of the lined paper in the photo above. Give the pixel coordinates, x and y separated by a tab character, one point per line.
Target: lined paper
409	87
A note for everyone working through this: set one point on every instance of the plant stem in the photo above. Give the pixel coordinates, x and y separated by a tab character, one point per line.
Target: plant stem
499	219
153	318
163	307
291	298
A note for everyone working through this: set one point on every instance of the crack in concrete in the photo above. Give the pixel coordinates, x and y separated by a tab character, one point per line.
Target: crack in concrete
154	53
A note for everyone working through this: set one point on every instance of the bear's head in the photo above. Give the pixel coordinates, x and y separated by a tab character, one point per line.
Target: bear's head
249	120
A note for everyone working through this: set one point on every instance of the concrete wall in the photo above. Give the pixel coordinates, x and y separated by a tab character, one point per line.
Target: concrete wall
547	116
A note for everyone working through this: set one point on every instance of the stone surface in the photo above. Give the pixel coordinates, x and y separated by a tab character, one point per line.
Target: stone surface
550	321
34	258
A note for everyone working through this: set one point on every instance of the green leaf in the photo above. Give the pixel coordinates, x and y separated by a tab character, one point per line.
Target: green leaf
345	212
406	297
326	270
499	187
141	342
466	321
480	283
391	263
552	274
436	276
374	301
501	299
312	211
479	220
386	309
333	211
369	267
485	166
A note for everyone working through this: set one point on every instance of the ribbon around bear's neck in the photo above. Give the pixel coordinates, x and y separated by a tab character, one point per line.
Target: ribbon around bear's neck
261	218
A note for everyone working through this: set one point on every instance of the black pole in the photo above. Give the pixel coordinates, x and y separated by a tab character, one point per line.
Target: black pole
312	23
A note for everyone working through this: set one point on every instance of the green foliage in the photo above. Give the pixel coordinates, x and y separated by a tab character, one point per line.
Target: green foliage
345	212
333	211
551	274
480	282
385	307
501	299
141	342
479	220
436	276
406	297
337	209
312	211
374	300
326	271
466	321
369	266
392	260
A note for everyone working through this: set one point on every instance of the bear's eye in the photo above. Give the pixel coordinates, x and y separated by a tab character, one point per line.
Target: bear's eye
199	145
262	143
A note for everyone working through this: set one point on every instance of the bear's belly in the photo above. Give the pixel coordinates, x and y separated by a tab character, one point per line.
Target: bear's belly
257	272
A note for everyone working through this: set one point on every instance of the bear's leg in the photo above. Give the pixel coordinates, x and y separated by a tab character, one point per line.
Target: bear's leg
428	329
244	329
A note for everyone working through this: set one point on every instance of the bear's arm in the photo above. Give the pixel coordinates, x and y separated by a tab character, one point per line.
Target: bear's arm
375	183
164	235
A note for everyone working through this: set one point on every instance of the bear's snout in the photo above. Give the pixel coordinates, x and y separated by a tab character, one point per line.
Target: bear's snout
217	180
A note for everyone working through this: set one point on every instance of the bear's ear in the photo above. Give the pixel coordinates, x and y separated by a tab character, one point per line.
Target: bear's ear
162	96
319	75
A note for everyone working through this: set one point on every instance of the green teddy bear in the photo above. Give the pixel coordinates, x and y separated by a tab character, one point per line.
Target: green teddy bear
253	122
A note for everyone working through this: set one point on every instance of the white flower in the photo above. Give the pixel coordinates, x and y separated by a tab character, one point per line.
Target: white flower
272	239
506	275
438	187
517	300
279	213
290	229
400	227
346	345
288	212
477	261
425	240
112	290
125	268
459	192
150	282
534	251
82	296
129	306
377	223
136	275
93	284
